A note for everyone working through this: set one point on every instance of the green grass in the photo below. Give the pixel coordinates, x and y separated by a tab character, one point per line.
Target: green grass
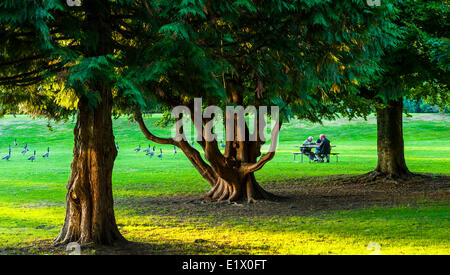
32	194
402	230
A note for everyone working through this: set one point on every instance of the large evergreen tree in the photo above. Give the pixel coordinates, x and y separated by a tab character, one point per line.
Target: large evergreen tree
306	56
54	53
417	68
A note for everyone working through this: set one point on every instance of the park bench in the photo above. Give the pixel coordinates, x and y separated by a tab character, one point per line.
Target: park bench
301	153
301	156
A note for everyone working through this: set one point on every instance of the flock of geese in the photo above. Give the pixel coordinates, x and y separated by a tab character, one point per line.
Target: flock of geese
25	150
150	151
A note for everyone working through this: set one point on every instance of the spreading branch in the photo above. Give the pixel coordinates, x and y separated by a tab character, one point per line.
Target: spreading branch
191	153
250	168
149	135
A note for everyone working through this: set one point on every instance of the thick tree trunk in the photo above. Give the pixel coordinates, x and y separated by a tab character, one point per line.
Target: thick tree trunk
390	146
230	174
89	200
235	170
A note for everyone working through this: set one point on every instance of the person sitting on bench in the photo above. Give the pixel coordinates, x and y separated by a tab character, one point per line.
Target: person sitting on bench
324	149
318	141
307	151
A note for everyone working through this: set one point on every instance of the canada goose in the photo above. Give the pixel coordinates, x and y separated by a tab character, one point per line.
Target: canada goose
25	149
151	153
33	157
8	156
160	154
46	155
174	150
117	146
15	142
222	144
148	149
138	149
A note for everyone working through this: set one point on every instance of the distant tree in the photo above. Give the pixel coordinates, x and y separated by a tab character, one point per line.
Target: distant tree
416	68
307	57
420	106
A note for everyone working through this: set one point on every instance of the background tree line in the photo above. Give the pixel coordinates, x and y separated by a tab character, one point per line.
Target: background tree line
421	106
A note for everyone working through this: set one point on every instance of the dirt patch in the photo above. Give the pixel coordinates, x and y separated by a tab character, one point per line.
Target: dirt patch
305	196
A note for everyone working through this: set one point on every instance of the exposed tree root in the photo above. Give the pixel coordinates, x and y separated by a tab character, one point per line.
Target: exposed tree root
377	177
248	190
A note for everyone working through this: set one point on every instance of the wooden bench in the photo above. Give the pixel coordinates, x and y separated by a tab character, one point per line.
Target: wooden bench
301	156
298	153
337	156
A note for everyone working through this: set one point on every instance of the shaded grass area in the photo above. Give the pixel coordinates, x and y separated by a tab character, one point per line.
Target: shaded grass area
32	194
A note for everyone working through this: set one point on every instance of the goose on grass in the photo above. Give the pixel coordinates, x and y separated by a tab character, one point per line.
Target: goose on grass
33	157
138	149
25	149
46	155
8	156
148	149
151	153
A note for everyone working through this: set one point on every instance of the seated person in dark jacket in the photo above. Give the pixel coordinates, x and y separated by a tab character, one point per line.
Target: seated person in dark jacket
306	150
317	149
324	149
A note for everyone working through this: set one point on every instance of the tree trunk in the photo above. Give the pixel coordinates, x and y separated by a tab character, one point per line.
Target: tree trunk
231	174
235	169
390	146
89	200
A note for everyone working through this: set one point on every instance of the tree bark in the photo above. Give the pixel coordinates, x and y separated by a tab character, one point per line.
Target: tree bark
238	189
236	178
390	146
89	200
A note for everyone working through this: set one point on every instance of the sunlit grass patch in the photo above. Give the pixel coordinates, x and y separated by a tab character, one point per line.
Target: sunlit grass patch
400	230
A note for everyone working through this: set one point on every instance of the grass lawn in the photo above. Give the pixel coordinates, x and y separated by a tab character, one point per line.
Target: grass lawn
32	194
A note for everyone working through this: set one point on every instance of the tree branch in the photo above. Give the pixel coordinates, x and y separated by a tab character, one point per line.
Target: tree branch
50	68
18	61
196	159
191	153
250	168
149	135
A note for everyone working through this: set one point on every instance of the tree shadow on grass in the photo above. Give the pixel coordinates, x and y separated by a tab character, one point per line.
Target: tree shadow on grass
299	197
168	247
